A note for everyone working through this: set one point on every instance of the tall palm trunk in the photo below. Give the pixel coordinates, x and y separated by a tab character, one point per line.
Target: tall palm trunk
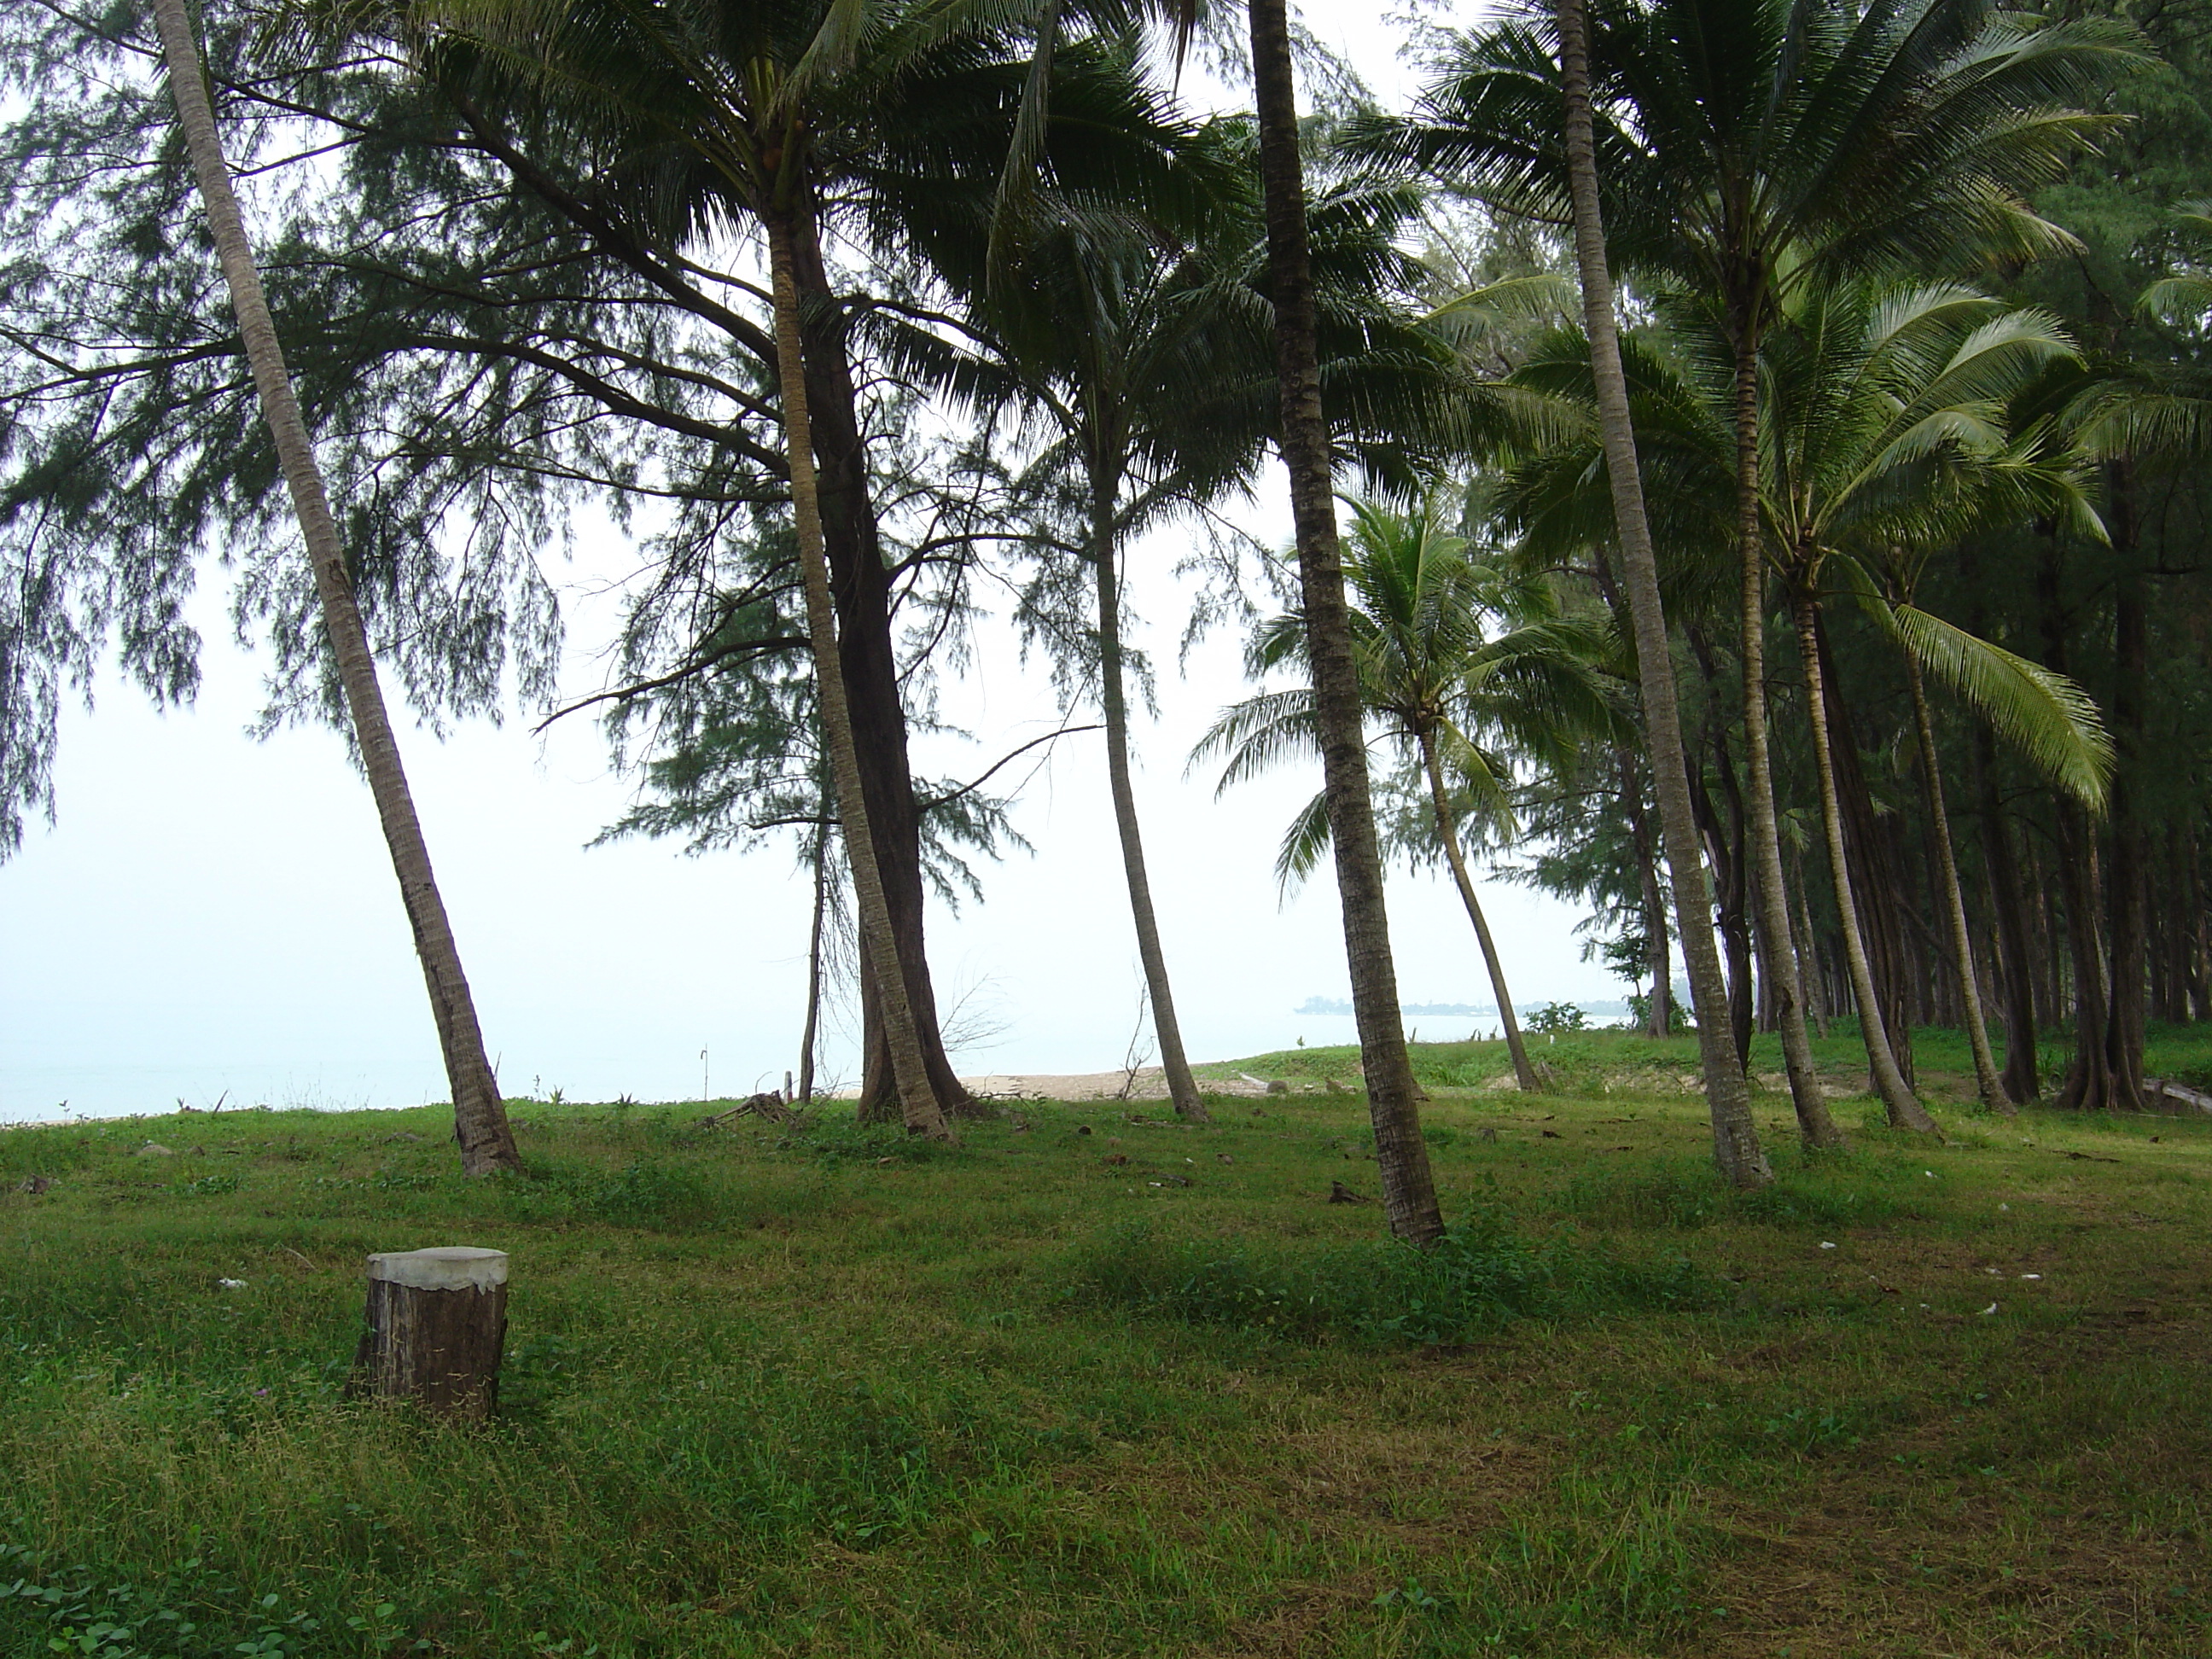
2125	892
1448	833
2007	908
1905	1112
1409	1193
814	959
1987	1083
1808	949
918	1104
479	1116
1655	907
1182	1088
1770	907
1728	1097
861	587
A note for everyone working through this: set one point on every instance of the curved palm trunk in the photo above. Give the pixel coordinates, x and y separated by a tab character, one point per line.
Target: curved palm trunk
1182	1088
1448	832
1409	1193
1771	906
479	1116
1987	1083
1735	1138
1905	1112
918	1104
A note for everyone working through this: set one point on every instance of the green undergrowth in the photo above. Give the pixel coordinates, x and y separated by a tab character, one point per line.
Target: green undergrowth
1482	1275
1097	1383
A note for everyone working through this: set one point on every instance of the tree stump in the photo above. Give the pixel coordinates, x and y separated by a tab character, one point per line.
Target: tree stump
437	1322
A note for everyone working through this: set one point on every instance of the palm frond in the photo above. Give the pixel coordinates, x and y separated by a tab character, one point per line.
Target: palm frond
1304	844
2045	716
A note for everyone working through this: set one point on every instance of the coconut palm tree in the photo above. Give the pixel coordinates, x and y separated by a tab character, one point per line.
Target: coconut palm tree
1735	1139
1115	334
1883	438
1444	689
2044	715
1136	346
1409	1193
1886	417
479	1116
1745	148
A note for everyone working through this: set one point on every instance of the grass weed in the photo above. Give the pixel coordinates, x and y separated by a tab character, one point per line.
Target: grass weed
1102	1384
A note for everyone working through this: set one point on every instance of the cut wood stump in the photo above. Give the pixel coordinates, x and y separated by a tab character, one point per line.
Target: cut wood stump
437	1322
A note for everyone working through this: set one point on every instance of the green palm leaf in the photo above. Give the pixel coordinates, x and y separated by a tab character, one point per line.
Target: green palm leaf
2049	719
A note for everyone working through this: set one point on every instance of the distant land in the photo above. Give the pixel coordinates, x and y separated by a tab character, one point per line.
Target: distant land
1454	1010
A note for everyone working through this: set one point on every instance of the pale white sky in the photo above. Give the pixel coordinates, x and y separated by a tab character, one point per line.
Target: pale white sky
214	914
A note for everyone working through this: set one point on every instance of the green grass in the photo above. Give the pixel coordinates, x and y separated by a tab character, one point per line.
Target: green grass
834	1392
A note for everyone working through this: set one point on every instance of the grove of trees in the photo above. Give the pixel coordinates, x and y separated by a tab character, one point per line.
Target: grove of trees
1745	461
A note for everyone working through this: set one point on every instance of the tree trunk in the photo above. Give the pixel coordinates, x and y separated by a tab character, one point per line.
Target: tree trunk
918	1104
807	1038
862	588
2189	924
1878	879
1735	1138
479	1116
1653	902
436	1330
1905	1111
1770	897
1729	851
1807	947
1409	1193
2124	1029
1448	833
1987	1083
1182	1088
2089	1084
2009	912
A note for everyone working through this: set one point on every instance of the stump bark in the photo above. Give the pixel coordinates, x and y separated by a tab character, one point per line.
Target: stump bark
437	1322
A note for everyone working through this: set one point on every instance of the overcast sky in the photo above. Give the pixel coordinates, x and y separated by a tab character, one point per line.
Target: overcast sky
213	914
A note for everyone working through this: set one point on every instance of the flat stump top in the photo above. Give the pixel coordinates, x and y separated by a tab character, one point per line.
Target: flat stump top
454	1268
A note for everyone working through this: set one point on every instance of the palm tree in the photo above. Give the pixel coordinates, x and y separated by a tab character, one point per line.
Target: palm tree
1112	336
1728	1093
1409	1193
479	1116
1879	396
1751	146
1883	438
2044	715
1443	690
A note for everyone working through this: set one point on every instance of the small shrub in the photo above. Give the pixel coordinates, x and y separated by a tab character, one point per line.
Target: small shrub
1555	1018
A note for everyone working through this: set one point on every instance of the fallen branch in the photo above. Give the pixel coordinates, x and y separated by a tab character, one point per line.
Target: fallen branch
767	1105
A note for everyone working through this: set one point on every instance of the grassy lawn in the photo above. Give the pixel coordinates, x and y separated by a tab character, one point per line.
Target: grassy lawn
1096	1385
